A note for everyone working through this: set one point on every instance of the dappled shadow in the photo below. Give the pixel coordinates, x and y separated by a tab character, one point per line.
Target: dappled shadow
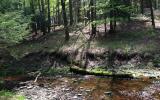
135	35
50	42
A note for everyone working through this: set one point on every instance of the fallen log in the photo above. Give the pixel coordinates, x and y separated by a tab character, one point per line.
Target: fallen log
82	71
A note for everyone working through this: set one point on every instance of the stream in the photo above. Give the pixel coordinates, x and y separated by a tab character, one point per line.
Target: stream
88	87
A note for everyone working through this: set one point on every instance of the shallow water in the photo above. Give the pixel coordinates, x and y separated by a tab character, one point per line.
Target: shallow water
101	88
95	88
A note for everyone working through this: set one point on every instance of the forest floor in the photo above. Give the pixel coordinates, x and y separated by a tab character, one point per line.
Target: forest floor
134	47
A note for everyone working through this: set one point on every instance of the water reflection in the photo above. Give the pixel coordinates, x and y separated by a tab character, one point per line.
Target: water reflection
101	88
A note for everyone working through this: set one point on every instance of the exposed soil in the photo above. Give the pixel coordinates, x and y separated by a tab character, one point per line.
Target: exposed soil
112	60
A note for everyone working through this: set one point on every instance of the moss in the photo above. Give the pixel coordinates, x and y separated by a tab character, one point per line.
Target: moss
100	70
95	71
57	71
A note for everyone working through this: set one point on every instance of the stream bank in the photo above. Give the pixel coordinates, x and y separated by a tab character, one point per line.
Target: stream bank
93	61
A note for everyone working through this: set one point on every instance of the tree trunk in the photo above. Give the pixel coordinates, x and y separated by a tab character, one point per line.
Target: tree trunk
32	6
24	7
58	12
78	10
152	13
93	17
111	22
70	11
49	17
142	7
43	23
65	20
105	24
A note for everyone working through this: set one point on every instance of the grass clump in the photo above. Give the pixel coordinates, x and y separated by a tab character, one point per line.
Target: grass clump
10	95
12	72
57	71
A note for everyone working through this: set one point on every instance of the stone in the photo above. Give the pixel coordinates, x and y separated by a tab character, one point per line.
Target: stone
88	90
29	87
75	97
81	87
109	93
67	89
79	94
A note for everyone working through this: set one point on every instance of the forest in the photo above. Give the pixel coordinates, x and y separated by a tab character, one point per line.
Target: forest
79	50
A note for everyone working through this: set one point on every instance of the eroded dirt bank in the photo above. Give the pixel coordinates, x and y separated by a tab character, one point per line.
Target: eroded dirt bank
99	60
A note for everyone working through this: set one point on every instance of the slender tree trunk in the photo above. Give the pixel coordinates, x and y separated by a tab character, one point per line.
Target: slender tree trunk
84	12
33	19
65	20
93	17
49	17
105	24
43	23
32	6
111	22
58	12
39	6
142	7
24	7
112	18
152	13
78	10
70	11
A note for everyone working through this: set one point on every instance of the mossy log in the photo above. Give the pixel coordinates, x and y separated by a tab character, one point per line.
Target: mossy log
82	71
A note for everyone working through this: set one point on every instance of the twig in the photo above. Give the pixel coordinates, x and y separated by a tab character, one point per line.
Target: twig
37	77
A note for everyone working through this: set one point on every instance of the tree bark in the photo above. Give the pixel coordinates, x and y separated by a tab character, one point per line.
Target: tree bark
49	17
93	17
43	23
152	13
70	11
142	7
65	20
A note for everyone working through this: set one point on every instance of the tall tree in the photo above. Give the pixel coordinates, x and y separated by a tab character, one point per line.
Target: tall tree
58	13
152	13
142	6
70	12
112	16
93	17
43	22
65	20
49	17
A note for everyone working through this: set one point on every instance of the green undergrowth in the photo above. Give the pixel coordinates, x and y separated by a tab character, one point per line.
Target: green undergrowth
13	27
57	71
12	72
100	70
10	95
95	71
130	41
